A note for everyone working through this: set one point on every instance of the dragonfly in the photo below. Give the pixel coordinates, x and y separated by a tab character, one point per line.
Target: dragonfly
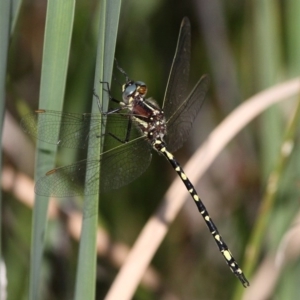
134	129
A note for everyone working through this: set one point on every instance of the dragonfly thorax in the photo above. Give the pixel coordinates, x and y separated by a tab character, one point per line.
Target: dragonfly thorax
146	113
148	117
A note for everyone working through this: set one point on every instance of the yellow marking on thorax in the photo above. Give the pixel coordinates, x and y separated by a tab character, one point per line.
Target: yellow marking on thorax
141	122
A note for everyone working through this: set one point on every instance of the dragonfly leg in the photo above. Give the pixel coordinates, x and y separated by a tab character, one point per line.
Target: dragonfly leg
128	131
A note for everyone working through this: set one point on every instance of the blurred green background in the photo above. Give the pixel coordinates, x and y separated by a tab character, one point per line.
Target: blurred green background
245	47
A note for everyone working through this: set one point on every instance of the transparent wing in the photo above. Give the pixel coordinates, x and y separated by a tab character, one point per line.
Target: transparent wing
120	162
64	129
119	167
179	73
71	130
180	123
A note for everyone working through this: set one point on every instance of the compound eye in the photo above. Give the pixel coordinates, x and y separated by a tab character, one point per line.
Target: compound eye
129	92
141	88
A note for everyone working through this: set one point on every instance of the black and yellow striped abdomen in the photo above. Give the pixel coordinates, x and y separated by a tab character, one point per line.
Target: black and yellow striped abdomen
160	146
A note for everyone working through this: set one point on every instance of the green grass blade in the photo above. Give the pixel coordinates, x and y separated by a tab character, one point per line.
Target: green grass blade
58	32
16	5
86	272
267	61
293	39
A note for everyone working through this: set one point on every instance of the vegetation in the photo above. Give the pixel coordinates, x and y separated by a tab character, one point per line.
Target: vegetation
55	55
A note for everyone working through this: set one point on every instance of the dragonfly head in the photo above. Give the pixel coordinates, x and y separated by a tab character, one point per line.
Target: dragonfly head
132	89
